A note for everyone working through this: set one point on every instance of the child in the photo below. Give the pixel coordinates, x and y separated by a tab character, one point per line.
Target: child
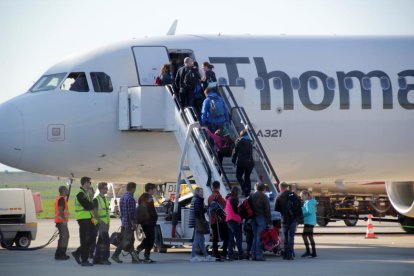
309	217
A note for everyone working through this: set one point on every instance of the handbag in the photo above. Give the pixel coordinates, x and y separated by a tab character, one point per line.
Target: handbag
139	233
202	226
115	238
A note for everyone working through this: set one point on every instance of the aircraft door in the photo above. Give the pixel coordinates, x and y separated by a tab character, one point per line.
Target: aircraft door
148	61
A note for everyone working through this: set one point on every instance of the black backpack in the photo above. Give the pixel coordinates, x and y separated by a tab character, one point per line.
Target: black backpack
190	81
294	207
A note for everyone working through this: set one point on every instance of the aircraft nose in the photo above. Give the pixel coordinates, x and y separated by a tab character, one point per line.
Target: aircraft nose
11	135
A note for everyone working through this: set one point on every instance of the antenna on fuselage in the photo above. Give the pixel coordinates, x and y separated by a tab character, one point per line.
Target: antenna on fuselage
173	27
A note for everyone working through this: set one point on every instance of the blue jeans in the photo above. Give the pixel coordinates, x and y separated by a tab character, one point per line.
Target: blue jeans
234	232
259	224
289	231
198	241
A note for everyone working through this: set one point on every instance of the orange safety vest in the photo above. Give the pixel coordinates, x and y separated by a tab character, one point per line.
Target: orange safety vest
58	218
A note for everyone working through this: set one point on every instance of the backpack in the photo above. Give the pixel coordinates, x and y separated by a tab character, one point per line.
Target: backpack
246	208
294	207
215	208
228	146
189	81
158	81
216	107
198	91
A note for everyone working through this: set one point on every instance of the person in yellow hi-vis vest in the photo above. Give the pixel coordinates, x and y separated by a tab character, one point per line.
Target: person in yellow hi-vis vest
83	214
101	220
61	220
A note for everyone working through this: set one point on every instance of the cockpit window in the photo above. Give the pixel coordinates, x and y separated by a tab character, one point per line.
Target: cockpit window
47	82
101	82
76	81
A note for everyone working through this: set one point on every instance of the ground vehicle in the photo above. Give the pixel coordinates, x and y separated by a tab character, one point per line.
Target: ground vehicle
17	217
350	207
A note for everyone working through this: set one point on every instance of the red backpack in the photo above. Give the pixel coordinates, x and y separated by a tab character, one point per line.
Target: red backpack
246	208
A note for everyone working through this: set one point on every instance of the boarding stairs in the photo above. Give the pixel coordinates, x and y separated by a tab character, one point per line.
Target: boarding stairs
140	109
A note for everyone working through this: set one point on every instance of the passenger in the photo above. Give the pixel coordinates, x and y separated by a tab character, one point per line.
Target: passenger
243	155
128	220
83	214
214	113
209	75
185	83
234	221
197	211
61	220
262	218
309	218
101	219
289	206
148	222
218	225
165	76
198	95
223	147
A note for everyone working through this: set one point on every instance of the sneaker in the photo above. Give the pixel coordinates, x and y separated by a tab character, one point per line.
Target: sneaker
86	263
134	256
208	258
116	259
148	261
195	259
306	254
76	256
62	258
229	258
313	256
106	262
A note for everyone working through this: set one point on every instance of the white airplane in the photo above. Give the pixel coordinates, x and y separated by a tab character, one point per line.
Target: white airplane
330	111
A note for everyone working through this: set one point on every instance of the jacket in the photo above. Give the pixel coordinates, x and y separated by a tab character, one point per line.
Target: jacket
153	216
205	111
232	213
197	210
243	152
309	212
261	206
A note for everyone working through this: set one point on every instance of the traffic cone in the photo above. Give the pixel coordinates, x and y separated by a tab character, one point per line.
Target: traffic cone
370	229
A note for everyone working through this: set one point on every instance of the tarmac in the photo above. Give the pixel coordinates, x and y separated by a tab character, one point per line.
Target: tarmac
341	251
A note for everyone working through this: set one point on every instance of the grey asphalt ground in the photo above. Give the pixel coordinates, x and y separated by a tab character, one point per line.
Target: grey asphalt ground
346	252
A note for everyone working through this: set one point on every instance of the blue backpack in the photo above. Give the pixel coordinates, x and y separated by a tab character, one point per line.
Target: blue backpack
216	107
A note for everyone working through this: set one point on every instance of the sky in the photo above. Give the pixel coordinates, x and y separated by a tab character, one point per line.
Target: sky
36	34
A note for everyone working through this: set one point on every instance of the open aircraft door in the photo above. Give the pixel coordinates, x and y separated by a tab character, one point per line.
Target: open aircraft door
149	61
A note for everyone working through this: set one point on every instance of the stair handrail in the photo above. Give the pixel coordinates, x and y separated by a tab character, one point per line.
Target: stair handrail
243	115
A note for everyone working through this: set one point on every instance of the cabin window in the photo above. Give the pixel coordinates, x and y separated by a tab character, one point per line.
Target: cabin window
76	81
313	83
330	83
222	81
402	83
101	82
277	83
259	83
295	83
366	83
241	82
348	83
47	82
385	83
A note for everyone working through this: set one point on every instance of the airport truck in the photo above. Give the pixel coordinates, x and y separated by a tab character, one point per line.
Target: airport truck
18	224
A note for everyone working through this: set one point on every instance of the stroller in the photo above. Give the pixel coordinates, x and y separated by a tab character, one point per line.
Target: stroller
271	239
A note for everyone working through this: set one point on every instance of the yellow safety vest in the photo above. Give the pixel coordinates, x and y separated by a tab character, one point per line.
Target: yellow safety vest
80	212
103	209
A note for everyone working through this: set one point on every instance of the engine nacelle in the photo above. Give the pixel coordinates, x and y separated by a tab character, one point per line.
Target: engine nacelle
401	196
